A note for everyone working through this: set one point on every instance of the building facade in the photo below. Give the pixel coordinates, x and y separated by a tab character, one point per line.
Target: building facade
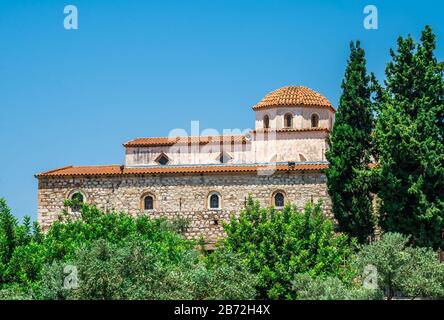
205	179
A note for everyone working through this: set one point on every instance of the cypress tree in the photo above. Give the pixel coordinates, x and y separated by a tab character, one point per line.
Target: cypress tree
8	224
350	151
409	137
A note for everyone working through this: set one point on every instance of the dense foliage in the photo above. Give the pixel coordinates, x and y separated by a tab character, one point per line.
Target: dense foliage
267	254
137	271
410	142
276	245
21	249
402	269
116	256
331	288
350	152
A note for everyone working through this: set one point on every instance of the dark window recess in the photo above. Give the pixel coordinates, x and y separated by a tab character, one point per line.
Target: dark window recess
288	121
214	201
266	122
163	160
314	121
149	203
279	200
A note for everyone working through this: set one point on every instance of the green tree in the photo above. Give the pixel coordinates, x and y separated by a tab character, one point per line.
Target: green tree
276	245
401	268
8	224
21	252
8	239
67	235
135	271
409	139
26	264
118	257
350	151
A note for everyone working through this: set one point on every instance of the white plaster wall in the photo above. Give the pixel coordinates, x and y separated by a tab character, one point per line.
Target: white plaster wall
288	146
185	154
301	117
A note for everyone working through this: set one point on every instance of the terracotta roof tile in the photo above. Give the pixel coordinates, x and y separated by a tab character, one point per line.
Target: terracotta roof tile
169	141
116	170
294	96
83	170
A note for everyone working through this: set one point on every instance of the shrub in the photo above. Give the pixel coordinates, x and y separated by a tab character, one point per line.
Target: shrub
68	235
137	271
401	268
26	264
16	292
276	245
331	288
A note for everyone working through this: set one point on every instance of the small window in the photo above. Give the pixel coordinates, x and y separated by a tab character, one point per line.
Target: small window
266	122
314	120
214	201
162	159
288	121
148	203
279	200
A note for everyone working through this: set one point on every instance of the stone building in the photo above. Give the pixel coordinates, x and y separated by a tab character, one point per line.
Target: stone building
206	178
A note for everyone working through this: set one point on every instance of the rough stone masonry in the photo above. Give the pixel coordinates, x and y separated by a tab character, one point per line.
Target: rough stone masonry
205	179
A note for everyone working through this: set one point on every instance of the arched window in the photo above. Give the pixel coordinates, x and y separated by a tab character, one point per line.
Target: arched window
77	198
314	120
278	199
148	202
214	201
266	122
288	120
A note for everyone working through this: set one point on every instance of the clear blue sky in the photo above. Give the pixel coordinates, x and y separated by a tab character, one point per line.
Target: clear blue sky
141	68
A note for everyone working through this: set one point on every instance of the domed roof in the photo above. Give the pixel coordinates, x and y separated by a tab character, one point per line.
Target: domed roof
294	96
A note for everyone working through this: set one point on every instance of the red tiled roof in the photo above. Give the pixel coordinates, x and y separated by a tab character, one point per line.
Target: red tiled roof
116	170
169	141
294	96
83	170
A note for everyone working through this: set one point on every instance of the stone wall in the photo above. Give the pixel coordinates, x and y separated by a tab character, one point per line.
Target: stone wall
181	195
